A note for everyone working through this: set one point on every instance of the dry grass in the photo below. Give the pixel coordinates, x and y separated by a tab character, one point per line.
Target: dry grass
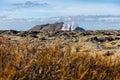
24	61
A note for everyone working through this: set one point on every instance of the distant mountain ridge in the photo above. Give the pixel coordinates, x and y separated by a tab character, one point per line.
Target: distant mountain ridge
58	26
99	22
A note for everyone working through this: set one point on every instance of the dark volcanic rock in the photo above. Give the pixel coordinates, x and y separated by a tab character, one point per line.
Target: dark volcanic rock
79	28
43	38
22	34
103	39
10	32
33	32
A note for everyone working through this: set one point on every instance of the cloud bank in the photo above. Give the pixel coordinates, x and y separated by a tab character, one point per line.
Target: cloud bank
3	16
28	4
54	8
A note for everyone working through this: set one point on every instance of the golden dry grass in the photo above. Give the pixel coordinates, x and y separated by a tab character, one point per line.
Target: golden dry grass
24	61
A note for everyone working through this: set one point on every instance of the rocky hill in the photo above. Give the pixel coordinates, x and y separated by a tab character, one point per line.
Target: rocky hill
54	27
48	27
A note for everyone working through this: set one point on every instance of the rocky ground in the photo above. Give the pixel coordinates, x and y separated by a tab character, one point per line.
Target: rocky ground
103	42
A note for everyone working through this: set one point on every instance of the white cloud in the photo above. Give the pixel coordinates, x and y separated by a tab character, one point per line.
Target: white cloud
28	4
30	8
87	9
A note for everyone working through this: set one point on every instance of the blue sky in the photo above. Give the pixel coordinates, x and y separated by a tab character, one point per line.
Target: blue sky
54	8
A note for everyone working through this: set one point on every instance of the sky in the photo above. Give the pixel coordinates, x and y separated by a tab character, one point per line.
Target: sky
55	8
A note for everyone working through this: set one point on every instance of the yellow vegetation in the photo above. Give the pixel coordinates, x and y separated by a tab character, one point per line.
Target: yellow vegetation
24	61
